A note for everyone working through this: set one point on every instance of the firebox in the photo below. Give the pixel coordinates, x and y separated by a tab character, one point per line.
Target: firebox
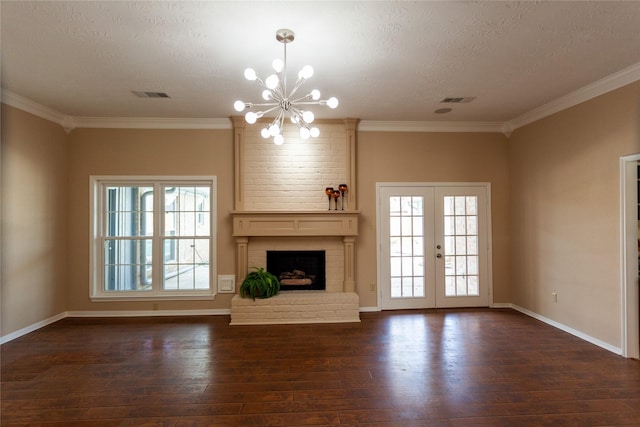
298	270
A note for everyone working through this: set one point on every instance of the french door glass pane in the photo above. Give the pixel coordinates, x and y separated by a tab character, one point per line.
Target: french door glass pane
461	245
406	246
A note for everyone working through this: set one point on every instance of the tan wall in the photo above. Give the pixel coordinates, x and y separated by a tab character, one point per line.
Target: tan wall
555	205
145	152
34	210
565	211
431	157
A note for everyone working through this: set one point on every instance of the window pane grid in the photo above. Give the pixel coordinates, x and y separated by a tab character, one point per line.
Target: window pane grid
406	246
128	237
461	246
127	264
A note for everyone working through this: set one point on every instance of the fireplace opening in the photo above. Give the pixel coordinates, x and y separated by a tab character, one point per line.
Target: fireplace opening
298	270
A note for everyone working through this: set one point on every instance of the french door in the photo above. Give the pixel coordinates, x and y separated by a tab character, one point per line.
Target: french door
433	245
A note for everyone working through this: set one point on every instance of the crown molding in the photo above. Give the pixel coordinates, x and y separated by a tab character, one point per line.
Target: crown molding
29	106
614	81
443	126
151	123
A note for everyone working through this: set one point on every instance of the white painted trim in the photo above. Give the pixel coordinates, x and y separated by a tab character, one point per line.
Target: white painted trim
31	328
614	81
630	328
565	328
369	309
379	218
150	123
32	107
96	211
501	305
150	313
444	126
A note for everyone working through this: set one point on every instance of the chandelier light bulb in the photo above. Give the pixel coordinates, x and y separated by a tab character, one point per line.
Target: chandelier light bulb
274	130
239	106
306	72
305	133
332	102
266	95
278	139
308	116
272	81
315	132
278	65
250	74
265	133
315	94
251	117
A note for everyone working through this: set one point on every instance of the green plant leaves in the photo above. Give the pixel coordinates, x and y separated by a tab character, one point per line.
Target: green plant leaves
259	284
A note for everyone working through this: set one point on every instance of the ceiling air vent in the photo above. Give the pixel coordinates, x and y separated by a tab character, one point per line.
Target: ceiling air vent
457	100
141	94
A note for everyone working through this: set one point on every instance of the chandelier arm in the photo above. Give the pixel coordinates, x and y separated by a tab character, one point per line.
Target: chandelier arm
267	104
279	92
297	86
270	109
300	121
310	102
278	119
299	100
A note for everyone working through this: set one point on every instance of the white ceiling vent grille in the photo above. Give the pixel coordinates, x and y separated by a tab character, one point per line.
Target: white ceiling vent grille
457	100
142	94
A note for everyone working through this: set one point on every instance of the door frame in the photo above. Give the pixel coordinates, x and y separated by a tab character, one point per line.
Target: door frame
485	185
629	292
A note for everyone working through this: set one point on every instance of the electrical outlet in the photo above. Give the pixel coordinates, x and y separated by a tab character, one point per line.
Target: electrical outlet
372	286
155	306
554	297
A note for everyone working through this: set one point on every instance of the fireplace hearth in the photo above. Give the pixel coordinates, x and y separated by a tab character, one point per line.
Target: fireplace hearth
298	270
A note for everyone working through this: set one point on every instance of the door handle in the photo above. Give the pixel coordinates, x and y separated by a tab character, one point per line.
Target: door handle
439	256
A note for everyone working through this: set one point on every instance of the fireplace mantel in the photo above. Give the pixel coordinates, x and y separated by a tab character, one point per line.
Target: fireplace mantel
295	223
344	224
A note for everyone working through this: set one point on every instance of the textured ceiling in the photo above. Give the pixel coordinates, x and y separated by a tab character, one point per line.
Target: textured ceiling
385	61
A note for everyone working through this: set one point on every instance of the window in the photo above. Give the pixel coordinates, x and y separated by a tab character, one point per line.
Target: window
152	237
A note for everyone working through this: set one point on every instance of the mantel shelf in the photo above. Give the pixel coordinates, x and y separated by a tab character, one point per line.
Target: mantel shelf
295	223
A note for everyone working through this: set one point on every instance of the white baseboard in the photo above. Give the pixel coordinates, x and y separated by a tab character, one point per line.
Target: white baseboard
31	328
565	328
501	305
369	309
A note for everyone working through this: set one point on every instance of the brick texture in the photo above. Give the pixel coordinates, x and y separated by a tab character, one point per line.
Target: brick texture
293	176
296	307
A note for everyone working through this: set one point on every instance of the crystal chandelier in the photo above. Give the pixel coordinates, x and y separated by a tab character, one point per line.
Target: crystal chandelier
278	99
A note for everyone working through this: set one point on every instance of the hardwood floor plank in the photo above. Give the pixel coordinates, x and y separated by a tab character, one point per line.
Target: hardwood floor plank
462	367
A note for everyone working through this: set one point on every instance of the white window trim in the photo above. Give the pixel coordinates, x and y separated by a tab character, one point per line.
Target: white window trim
96	291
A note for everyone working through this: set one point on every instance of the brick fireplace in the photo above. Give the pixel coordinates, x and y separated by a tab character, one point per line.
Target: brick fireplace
256	233
282	207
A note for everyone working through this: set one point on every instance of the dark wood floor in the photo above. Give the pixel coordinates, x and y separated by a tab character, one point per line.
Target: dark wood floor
475	367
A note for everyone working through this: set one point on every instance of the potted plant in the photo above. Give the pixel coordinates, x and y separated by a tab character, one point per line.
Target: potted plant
259	283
